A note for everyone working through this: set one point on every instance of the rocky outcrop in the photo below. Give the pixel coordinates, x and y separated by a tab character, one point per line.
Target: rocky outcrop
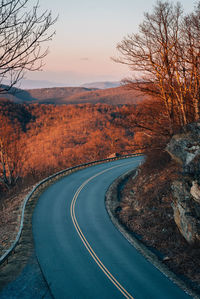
185	148
195	191
186	213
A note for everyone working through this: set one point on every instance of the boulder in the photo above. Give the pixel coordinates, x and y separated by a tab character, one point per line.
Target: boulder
186	213
192	169
195	191
185	149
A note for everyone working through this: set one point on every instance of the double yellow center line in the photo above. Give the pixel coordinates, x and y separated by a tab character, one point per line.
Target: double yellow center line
85	241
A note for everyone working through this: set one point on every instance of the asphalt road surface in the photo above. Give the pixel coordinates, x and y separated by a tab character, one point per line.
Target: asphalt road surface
81	253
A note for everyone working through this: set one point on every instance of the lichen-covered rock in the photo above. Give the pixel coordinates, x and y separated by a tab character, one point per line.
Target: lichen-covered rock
186	213
195	191
193	129
193	169
185	148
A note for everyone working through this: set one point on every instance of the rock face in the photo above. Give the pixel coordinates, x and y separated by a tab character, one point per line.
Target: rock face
195	191
185	148
186	213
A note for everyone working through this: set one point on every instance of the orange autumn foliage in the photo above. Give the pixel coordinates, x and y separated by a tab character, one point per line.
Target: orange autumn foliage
52	137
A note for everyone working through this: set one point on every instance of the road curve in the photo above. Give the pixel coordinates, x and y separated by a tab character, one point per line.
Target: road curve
81	253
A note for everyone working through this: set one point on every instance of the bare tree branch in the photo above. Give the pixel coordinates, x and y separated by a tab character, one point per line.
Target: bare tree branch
22	35
166	55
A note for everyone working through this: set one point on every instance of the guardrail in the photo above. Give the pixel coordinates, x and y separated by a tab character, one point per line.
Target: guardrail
5	256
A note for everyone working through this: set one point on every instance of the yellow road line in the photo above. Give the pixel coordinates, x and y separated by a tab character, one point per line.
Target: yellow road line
86	243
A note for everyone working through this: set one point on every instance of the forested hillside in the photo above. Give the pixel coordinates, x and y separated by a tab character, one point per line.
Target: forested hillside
37	139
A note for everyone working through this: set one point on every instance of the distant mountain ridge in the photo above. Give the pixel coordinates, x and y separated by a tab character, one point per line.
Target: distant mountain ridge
52	95
30	84
101	85
76	95
38	84
27	84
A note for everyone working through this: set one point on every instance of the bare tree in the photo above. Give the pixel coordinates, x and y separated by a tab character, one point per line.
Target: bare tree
166	56
23	30
10	160
191	57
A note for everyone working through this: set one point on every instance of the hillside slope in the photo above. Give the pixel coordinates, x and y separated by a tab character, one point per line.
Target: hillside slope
43	95
77	95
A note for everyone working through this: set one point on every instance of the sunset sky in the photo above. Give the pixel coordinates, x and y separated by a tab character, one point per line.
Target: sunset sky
87	33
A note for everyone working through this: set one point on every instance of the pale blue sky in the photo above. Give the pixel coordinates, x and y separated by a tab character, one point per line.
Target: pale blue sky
87	32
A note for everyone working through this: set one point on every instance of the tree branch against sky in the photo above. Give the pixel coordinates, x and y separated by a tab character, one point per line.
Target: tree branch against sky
165	53
23	31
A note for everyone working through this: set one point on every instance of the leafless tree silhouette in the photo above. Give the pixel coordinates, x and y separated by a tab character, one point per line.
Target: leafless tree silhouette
166	54
23	31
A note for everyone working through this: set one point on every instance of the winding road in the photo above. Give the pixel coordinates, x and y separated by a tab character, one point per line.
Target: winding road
81	253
